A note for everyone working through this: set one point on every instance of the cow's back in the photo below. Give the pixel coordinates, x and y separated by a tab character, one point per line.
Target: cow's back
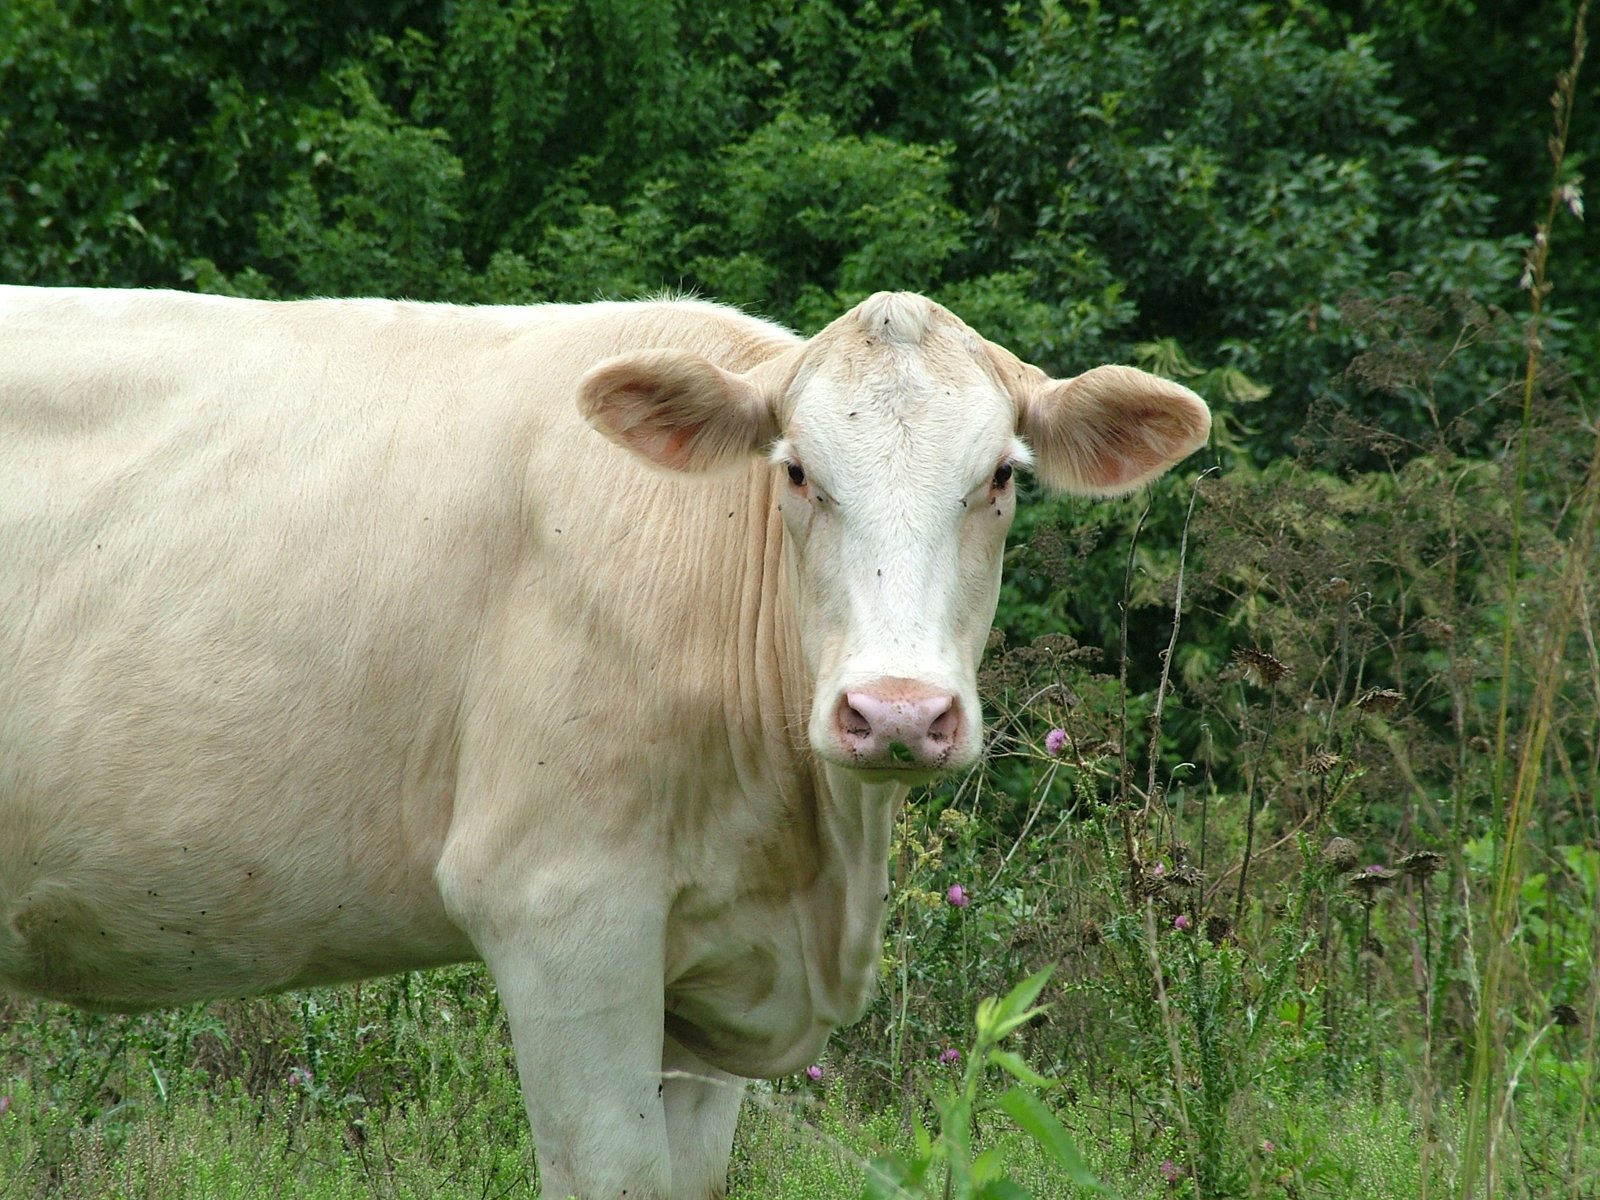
248	554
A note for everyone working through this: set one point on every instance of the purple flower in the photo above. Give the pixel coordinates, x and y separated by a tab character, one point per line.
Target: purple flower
957	895
1181	922
1267	1146
814	1073
1169	1171
5	1105
950	1057
1054	741
300	1077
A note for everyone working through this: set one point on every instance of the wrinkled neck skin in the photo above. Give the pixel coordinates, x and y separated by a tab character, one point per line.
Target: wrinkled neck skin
762	969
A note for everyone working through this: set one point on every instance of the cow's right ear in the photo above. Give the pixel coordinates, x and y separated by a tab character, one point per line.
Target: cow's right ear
677	409
1109	430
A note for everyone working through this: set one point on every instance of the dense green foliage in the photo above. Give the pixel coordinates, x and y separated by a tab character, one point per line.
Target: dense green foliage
1317	212
1075	178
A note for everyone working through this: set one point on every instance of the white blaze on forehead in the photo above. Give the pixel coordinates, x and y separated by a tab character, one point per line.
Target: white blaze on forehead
898	426
895	400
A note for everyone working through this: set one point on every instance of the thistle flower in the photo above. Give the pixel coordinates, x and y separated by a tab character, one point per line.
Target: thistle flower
1169	1171
814	1073
1181	923
1419	864
949	1057
957	895
1054	742
1259	667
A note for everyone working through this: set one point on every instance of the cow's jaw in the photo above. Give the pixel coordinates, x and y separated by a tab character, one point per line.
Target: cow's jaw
896	529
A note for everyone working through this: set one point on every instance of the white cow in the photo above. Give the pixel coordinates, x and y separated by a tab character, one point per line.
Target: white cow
335	641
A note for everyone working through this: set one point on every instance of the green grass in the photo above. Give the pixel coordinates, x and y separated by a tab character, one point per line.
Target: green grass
112	1107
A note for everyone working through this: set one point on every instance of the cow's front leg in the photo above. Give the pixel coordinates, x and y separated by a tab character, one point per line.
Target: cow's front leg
702	1111
579	968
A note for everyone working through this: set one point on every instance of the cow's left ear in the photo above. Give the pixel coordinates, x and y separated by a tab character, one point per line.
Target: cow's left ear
677	409
1109	430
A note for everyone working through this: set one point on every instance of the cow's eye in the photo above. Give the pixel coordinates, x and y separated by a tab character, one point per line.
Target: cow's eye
797	475
1002	476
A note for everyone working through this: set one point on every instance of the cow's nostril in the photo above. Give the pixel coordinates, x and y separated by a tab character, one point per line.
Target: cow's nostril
946	725
852	721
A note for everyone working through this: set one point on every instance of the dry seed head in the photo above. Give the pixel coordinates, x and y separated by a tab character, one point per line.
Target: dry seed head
1088	932
1419	864
1259	667
1341	853
1379	700
1565	1016
1218	927
1187	877
1336	589
1322	762
1369	881
1181	883
1151	881
1434	628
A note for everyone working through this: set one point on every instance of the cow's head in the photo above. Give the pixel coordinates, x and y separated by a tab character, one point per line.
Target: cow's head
895	436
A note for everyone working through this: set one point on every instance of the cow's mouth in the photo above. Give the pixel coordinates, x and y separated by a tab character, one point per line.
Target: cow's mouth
902	769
